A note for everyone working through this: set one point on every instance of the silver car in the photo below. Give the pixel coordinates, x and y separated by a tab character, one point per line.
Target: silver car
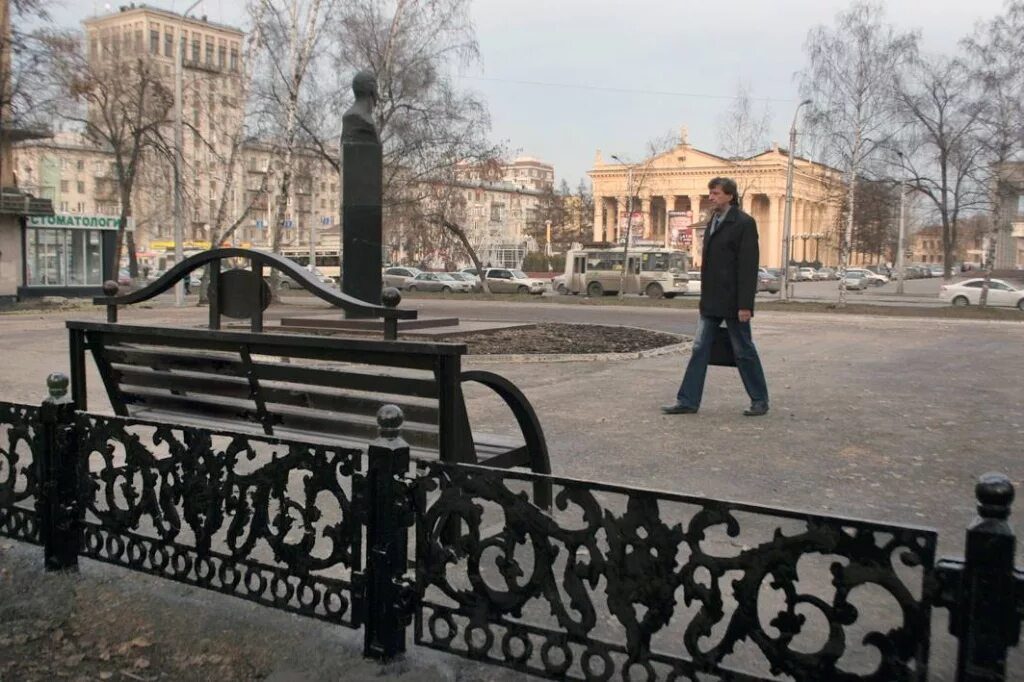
437	281
856	280
398	276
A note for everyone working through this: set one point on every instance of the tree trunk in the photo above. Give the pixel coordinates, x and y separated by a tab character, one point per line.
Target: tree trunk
461	235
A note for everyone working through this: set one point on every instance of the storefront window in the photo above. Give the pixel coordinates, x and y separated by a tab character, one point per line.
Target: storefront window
63	257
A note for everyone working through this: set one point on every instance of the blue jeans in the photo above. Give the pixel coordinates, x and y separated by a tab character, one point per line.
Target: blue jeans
747	361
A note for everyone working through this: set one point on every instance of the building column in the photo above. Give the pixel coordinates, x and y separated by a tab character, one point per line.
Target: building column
643	205
695	208
599	209
670	205
776	216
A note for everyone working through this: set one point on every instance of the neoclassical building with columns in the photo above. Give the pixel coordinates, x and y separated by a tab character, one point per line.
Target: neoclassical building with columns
670	204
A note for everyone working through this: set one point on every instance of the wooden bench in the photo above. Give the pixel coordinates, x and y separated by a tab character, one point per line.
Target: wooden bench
309	388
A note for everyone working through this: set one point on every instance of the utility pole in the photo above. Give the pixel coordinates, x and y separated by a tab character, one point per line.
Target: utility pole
179	218
787	224
900	246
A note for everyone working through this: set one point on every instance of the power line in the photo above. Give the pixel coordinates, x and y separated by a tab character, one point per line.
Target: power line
632	91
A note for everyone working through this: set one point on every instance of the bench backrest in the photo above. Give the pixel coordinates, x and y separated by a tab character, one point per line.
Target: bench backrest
283	385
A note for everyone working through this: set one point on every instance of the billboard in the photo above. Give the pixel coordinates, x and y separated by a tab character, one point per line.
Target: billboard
679	226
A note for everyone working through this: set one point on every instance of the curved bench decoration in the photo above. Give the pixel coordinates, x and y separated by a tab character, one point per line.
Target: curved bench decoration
534	453
243	294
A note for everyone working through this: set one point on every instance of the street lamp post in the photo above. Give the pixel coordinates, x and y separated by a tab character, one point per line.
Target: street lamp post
787	224
629	223
179	218
900	247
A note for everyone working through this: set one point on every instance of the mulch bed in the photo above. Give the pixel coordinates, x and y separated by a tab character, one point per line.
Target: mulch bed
564	338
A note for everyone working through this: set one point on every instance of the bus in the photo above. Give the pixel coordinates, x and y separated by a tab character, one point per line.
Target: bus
652	271
328	261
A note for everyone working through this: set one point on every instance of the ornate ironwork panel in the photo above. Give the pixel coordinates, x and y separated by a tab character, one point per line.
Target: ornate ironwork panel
623	583
260	518
19	432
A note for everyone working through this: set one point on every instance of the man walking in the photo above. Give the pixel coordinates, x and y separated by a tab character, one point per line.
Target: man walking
728	284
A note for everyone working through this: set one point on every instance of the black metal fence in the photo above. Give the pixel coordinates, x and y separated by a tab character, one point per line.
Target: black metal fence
612	582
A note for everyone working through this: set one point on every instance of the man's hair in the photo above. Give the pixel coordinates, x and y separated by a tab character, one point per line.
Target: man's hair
728	186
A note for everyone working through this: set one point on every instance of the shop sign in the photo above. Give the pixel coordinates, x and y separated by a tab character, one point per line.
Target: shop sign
78	221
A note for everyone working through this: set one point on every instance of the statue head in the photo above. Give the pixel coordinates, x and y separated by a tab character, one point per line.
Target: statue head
365	85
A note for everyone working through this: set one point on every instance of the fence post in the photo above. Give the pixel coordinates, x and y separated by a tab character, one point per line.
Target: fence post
983	592
386	603
59	473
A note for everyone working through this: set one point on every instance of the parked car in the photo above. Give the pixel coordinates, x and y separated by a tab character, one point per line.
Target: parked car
766	281
558	285
398	276
873	278
805	274
472	280
286	282
968	292
880	270
936	270
693	286
825	274
437	281
506	281
856	280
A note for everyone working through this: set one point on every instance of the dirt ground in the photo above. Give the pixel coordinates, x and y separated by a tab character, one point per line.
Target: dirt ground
565	338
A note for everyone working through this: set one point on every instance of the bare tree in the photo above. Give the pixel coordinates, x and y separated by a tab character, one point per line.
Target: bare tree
427	125
655	148
941	159
743	132
850	80
995	62
119	99
291	32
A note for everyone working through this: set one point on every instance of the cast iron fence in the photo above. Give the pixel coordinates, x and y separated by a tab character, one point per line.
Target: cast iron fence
612	582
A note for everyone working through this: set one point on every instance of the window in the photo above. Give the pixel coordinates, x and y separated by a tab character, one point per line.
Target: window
234	59
497	210
63	185
209	52
81	187
1020	204
62	257
138	40
195	50
168	44
80	165
222	57
154	42
976	284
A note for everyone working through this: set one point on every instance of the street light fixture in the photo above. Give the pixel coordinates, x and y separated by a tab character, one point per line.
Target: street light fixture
787	225
179	218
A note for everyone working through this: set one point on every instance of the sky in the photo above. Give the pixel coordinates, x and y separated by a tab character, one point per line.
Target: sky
564	78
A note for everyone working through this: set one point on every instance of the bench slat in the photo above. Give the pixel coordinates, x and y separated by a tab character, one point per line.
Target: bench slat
292	418
284	393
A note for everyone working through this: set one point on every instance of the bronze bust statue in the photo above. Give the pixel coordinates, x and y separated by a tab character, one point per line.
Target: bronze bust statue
357	124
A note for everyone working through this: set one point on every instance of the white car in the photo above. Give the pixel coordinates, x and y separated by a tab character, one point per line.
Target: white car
873	278
507	281
693	286
968	292
437	281
805	274
855	280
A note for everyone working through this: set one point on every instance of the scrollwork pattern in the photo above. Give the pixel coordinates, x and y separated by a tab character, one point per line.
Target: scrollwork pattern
212	509
19	429
543	595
